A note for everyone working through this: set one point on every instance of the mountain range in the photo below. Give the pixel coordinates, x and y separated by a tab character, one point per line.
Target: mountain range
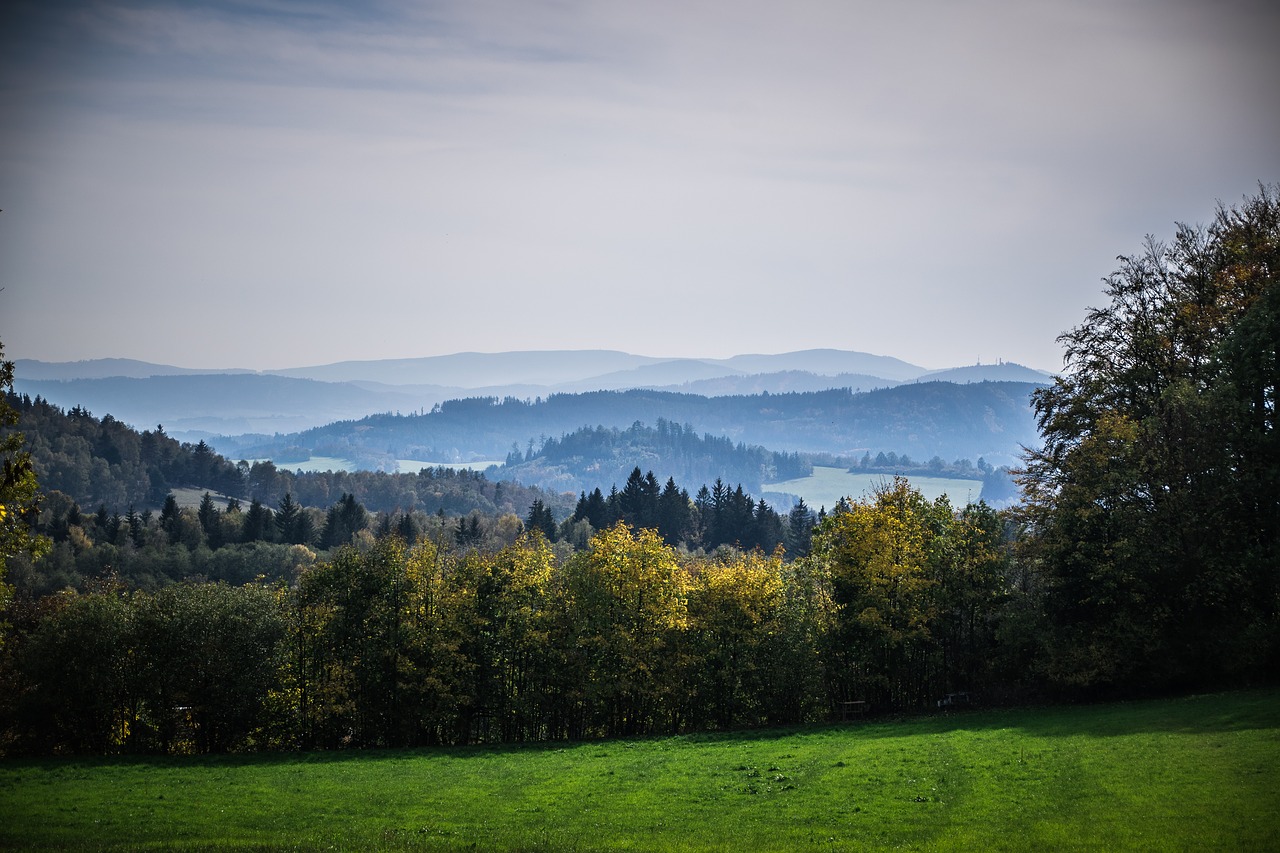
194	403
945	419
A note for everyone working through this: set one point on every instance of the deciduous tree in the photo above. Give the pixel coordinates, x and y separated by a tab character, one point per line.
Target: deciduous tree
1154	502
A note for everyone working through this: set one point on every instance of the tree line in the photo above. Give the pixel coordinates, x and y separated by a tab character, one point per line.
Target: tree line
398	644
225	540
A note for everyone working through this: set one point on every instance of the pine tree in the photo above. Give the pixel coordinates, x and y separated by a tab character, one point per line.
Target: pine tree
541	519
210	519
258	523
800	524
287	520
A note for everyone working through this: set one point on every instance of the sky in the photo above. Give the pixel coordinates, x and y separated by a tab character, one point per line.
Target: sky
299	182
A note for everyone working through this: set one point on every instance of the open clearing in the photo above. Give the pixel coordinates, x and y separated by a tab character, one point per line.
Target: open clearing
315	464
191	498
1198	773
828	485
405	466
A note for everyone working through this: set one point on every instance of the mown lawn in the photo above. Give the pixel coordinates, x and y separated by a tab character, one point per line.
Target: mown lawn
1198	773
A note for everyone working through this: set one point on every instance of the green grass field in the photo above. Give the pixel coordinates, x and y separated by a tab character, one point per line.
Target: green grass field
827	485
1199	773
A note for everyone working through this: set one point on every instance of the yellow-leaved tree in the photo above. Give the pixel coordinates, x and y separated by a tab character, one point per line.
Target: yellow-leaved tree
880	648
623	605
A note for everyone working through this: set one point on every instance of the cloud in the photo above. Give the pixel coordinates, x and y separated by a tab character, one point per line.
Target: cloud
899	179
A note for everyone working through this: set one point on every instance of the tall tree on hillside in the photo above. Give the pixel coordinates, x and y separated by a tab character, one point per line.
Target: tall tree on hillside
407	529
592	508
170	519
541	519
346	518
210	517
799	532
767	530
292	522
702	516
969	560
675	513
258	524
203	465
359	654
638	500
1155	503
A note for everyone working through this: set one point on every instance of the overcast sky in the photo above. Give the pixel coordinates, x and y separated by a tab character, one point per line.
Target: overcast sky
240	184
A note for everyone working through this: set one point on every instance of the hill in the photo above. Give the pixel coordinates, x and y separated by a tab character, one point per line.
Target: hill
477	369
991	419
827	362
589	367
599	457
197	404
219	403
779	382
104	368
1005	371
104	462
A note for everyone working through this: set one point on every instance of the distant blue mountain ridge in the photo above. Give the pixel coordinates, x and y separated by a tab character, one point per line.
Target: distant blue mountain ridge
194	404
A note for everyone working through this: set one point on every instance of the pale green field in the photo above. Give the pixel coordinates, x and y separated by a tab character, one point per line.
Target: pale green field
191	498
315	463
413	466
406	466
827	485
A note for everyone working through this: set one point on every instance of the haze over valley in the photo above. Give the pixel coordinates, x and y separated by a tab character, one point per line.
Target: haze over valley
403	414
195	404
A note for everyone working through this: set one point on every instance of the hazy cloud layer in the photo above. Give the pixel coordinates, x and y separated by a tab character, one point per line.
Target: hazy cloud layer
289	183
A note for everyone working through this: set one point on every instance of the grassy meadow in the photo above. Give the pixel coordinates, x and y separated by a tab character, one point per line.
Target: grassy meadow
826	485
1197	773
405	466
189	498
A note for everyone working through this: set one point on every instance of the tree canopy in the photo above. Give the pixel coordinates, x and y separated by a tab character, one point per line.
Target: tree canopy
19	492
1154	507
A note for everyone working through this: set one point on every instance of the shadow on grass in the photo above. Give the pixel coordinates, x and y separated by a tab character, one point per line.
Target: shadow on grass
1197	714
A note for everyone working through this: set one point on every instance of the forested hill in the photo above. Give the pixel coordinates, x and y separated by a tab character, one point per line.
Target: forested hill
988	419
103	462
599	456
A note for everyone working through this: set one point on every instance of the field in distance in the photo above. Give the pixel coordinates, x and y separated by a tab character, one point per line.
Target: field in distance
188	498
406	466
825	486
1196	773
